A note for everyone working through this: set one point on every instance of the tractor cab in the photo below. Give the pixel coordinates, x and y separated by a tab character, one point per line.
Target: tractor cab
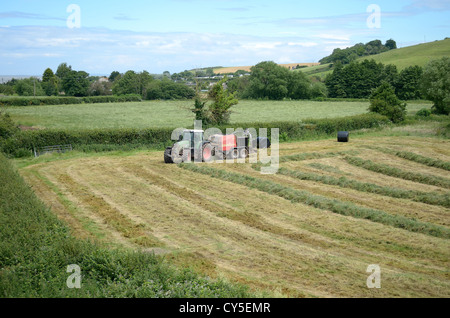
190	145
190	137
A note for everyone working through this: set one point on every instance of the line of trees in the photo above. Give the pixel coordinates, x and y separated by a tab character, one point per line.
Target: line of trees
350	54
359	79
69	82
270	81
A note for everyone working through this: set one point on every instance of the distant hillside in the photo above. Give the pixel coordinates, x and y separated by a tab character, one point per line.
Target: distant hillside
419	54
234	69
352	53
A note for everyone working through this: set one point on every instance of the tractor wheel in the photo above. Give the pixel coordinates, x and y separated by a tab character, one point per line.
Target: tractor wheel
243	153
168	155
207	153
218	155
234	154
180	154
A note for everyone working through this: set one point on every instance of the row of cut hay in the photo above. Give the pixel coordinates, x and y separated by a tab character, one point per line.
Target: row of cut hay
399	173
417	196
324	203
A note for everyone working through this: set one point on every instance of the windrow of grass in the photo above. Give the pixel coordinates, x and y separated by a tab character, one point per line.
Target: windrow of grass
398	173
316	155
418	196
431	162
36	248
320	202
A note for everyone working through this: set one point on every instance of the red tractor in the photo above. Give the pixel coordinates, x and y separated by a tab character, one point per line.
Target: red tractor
191	145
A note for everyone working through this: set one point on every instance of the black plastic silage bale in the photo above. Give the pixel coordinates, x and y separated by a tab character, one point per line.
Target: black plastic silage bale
343	136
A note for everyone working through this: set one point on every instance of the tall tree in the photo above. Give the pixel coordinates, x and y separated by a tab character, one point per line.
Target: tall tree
132	83
391	44
50	82
407	85
76	83
113	76
268	80
223	100
384	101
299	86
358	79
436	84
62	70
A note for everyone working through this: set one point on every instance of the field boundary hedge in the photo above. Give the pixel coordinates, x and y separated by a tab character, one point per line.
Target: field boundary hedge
22	143
67	100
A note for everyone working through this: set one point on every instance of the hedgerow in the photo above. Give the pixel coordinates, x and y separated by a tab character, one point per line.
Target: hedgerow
23	143
51	100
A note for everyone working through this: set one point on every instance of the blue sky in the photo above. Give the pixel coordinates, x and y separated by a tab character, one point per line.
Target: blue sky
175	35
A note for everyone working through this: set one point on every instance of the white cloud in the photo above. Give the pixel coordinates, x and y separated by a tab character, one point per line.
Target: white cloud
100	51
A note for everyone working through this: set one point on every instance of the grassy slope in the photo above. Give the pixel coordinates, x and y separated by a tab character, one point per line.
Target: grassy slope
172	114
233	69
419	54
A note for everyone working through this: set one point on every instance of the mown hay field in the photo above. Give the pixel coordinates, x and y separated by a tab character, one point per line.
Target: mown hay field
311	230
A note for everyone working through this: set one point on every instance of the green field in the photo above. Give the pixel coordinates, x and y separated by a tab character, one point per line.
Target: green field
168	114
320	71
419	54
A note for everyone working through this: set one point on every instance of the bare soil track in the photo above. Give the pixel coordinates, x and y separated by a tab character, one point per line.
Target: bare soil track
226	229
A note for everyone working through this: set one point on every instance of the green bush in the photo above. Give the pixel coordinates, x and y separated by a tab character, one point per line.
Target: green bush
168	90
384	101
436	84
7	126
424	112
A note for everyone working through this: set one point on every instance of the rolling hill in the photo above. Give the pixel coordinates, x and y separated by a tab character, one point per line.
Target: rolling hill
419	54
233	69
